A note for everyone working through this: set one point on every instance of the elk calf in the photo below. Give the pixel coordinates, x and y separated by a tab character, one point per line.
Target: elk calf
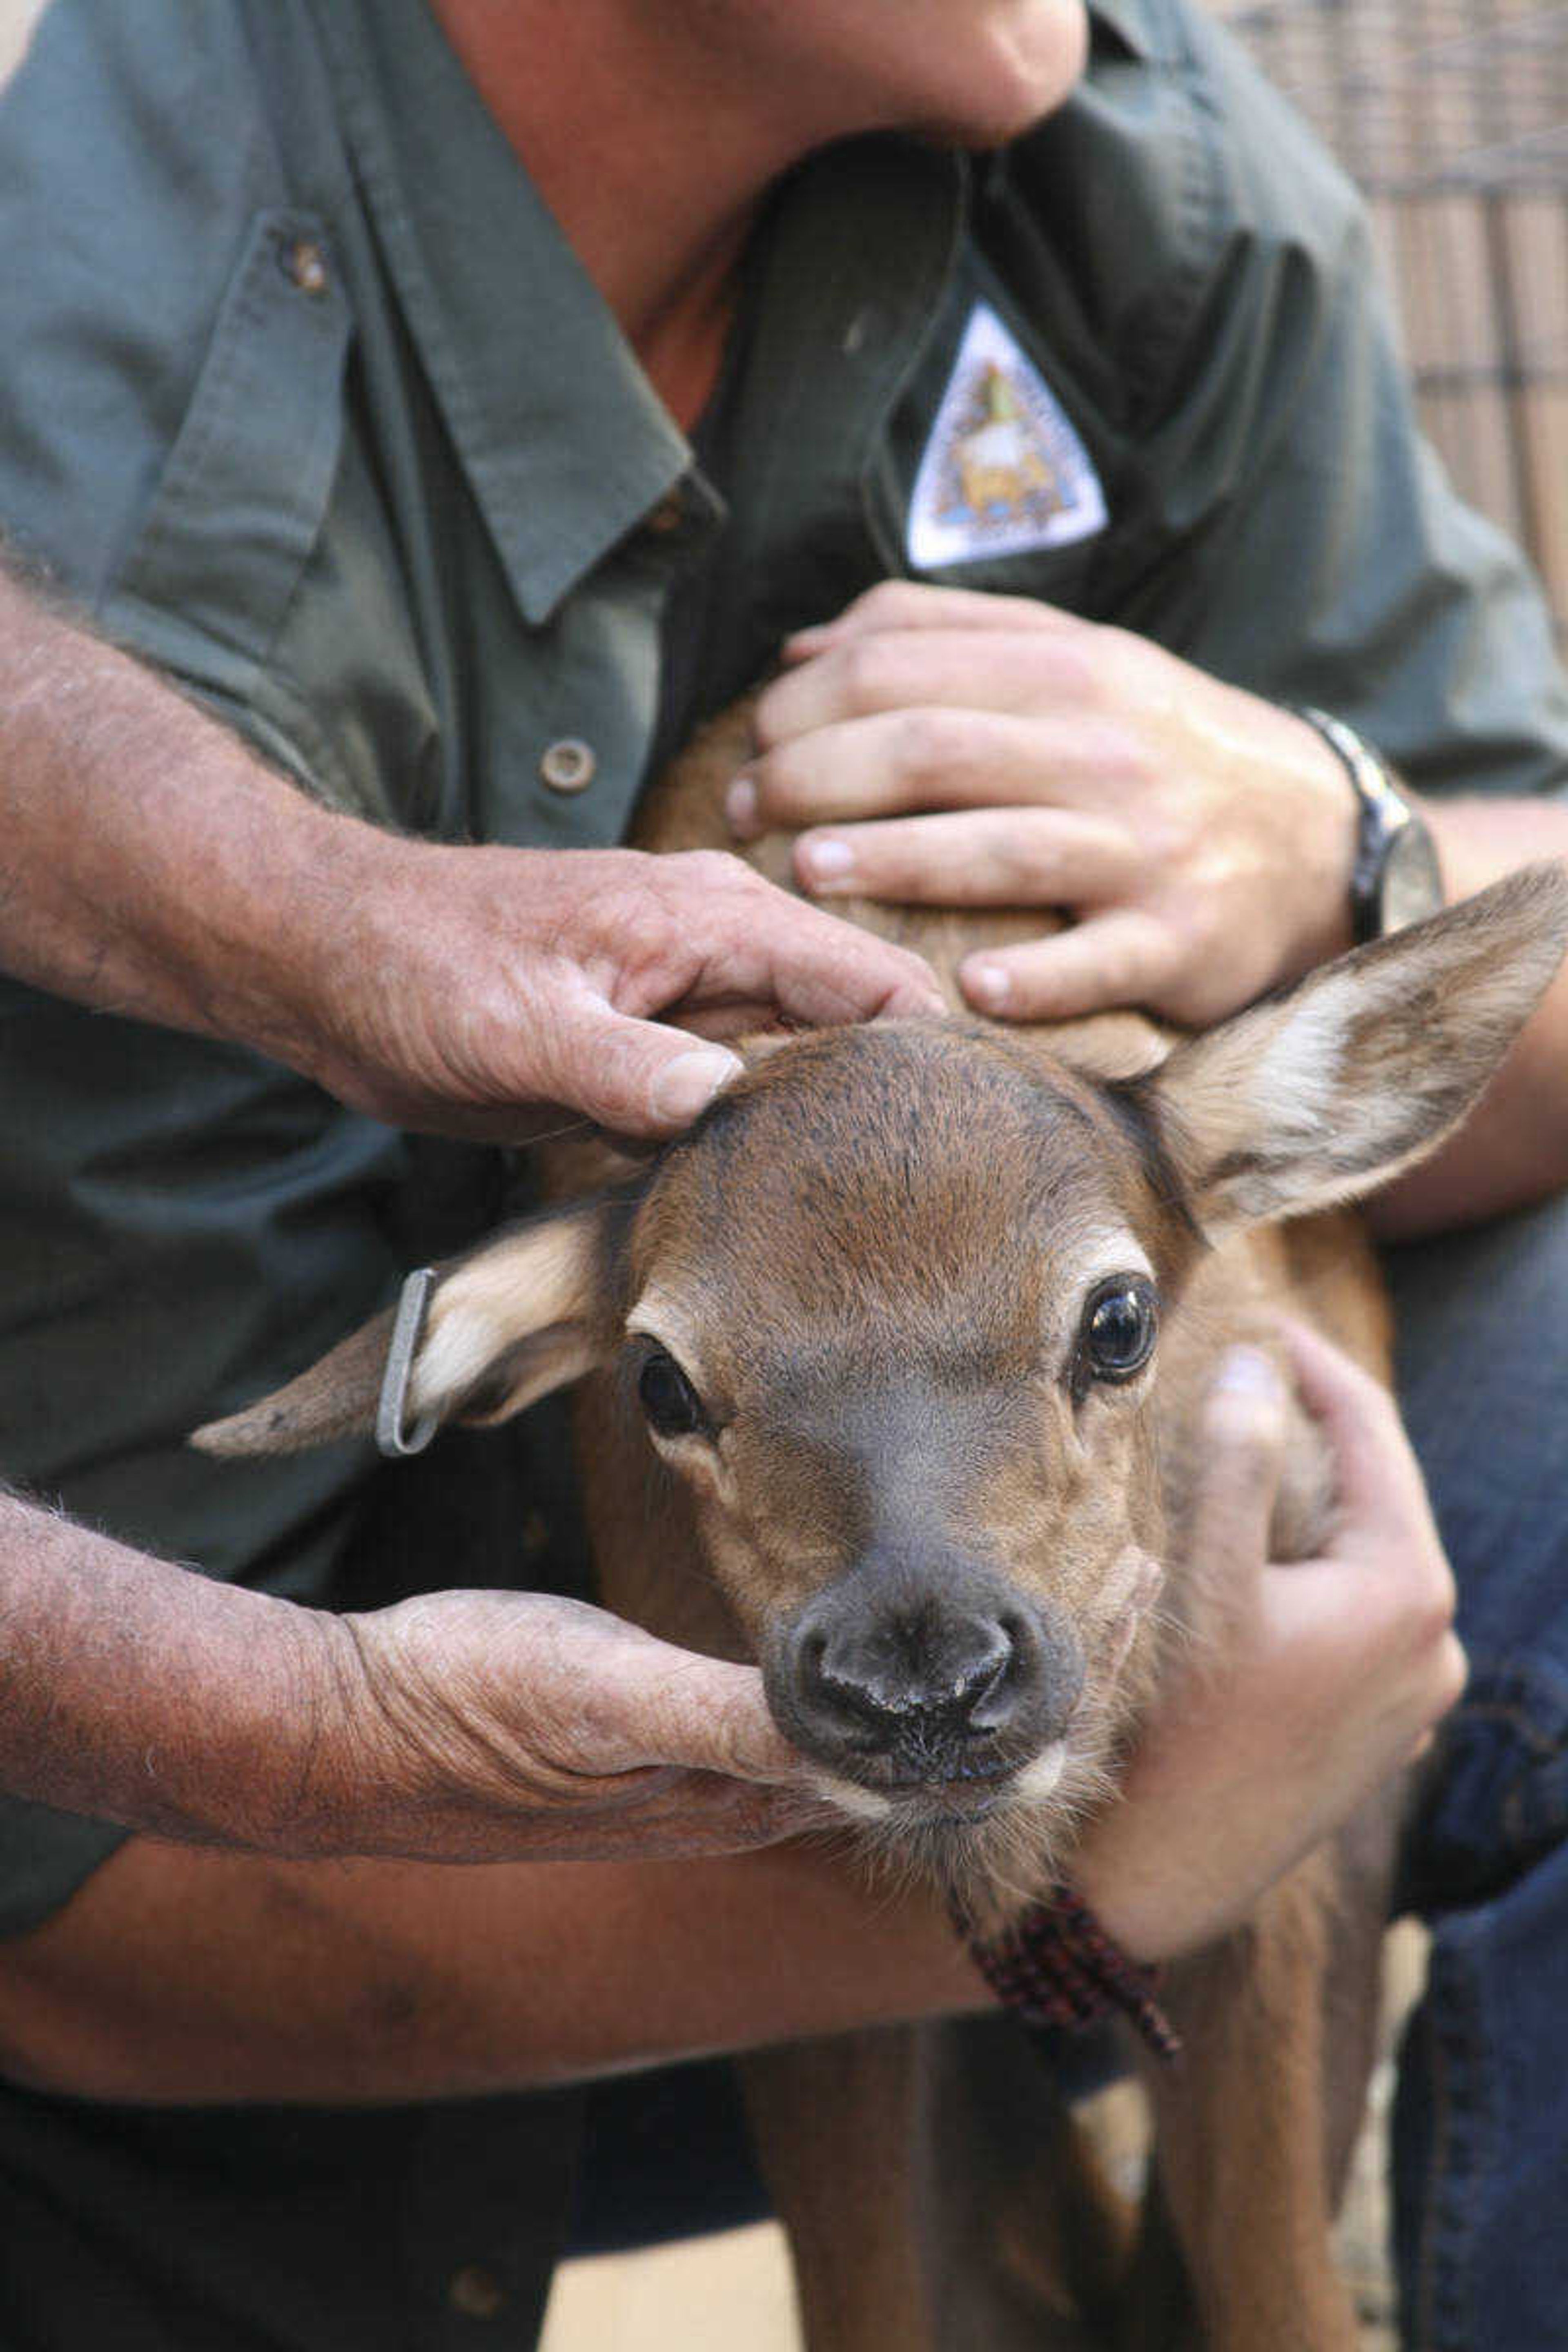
896	1359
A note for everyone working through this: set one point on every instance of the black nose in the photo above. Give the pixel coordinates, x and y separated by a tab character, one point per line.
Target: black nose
932	1680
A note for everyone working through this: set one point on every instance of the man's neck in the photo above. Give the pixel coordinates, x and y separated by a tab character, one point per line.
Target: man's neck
650	161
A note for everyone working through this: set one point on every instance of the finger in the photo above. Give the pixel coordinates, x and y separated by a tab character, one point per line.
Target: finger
1451	1674
912	604
1124	957
619	1701
1027	670
708	1715
1376	1630
756	945
1377	1479
930	756
647	1702
670	1817
635	1077
710	1812
1242	1446
987	857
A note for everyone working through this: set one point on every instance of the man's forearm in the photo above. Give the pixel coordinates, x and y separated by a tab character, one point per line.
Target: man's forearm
1513	1150
464	1726
151	864
146	1694
185	1976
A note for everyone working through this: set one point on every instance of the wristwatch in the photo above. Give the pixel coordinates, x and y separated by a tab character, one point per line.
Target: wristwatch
1396	878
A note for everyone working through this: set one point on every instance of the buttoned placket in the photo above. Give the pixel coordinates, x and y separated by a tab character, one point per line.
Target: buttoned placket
568	453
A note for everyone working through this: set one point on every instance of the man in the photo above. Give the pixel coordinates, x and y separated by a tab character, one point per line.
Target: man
327	408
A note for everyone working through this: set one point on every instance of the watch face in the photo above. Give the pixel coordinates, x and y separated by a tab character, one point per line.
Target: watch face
1412	883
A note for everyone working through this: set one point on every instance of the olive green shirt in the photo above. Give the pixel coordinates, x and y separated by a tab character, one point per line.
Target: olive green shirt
306	399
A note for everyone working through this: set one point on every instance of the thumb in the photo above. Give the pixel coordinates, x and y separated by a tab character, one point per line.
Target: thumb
636	1077
711	1715
1378	1485
1243	1437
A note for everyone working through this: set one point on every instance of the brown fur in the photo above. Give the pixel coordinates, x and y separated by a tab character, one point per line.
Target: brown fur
871	1257
1251	2158
877	2262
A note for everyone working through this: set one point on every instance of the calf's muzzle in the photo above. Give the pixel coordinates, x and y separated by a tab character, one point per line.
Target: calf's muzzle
903	1678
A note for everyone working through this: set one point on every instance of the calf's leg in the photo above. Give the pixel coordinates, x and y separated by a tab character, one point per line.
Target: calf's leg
936	2194
1254	2127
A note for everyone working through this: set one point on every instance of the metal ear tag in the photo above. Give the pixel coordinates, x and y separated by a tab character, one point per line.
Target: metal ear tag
408	1331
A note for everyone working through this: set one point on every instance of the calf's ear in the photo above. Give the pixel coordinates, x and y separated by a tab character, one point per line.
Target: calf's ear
524	1314
1317	1096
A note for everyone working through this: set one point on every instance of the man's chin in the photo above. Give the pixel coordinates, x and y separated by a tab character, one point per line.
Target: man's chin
1040	80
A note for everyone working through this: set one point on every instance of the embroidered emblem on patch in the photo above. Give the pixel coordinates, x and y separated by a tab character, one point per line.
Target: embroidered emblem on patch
1004	471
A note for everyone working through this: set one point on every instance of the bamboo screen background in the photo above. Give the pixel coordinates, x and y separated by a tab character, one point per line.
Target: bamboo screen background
1452	116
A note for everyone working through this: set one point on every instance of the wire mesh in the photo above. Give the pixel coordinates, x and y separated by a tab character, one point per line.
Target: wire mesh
1418	96
1452	116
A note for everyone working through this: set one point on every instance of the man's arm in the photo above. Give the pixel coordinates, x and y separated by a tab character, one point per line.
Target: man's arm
183	1976
458	1726
153	866
176	1974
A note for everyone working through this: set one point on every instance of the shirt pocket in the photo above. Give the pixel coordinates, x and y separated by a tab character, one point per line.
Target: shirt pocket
216	557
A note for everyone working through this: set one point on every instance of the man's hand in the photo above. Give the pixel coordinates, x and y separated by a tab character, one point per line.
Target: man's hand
1328	1679
458	1726
949	749
519	1726
466	982
154	866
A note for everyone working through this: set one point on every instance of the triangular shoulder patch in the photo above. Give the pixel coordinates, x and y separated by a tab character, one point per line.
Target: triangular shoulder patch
1004	471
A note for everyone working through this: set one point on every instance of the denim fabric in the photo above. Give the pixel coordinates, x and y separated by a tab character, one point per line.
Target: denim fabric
1482	2122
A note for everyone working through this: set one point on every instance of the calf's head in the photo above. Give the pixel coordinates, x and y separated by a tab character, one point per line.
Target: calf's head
891	1314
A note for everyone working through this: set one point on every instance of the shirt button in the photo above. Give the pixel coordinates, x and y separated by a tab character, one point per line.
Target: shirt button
305	266
476	2291
568	766
668	515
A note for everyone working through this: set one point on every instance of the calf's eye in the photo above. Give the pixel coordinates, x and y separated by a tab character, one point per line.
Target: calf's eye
1119	1325
672	1405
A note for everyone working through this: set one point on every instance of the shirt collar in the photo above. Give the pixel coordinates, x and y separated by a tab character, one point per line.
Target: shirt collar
563	438
848	278
1141	25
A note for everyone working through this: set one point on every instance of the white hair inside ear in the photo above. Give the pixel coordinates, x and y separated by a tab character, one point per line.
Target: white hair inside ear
1315	1097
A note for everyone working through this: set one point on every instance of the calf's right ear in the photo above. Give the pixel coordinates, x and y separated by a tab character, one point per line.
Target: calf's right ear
524	1314
1312	1097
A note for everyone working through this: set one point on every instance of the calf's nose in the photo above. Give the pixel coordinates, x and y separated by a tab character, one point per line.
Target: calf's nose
936	1684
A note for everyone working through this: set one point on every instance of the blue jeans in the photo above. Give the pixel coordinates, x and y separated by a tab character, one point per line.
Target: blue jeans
1481	2120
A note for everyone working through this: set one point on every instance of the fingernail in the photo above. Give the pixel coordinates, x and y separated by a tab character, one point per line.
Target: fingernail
689	1082
825	861
992	983
1247	1371
741	806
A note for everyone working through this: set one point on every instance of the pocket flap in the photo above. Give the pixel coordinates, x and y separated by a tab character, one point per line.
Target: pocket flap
242	496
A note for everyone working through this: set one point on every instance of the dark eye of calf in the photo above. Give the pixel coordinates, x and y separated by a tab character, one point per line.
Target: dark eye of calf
672	1405
1121	1323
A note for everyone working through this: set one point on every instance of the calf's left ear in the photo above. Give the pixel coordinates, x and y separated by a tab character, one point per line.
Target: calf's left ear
1317	1096
524	1314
